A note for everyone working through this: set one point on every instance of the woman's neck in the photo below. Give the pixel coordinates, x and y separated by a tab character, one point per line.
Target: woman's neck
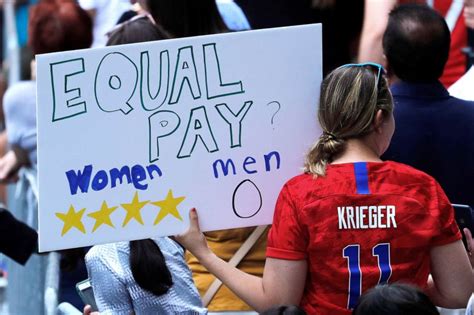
358	150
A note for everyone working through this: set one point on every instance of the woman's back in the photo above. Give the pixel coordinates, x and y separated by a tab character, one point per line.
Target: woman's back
117	292
347	225
360	225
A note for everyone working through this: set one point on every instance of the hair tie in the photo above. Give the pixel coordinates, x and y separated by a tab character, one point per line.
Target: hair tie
328	136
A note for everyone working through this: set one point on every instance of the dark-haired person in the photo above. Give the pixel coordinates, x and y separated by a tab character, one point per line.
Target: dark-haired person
145	276
142	277
184	18
351	221
138	29
395	299
375	22
435	131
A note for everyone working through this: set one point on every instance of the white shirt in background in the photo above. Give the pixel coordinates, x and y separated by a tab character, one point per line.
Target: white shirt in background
107	13
233	16
463	88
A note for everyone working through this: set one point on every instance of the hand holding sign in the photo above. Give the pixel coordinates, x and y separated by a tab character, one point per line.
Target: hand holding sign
193	239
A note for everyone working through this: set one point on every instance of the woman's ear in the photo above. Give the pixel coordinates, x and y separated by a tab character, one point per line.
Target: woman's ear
378	121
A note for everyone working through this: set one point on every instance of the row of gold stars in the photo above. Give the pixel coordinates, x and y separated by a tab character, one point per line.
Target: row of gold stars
73	219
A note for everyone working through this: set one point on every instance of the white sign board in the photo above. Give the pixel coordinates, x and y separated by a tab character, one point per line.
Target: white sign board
131	137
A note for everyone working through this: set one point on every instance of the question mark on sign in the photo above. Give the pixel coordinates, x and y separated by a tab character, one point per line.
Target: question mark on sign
278	109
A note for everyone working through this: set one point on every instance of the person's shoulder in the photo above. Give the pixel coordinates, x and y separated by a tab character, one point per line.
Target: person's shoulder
169	246
20	90
407	173
469	105
404	168
23	85
298	187
299	180
104	253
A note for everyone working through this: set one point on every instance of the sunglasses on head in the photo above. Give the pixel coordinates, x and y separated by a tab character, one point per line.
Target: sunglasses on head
378	67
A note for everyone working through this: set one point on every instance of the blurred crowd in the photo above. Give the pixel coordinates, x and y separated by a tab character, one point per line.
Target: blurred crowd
426	57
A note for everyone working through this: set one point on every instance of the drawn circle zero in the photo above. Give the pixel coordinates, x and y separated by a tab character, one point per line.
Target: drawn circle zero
115	82
233	200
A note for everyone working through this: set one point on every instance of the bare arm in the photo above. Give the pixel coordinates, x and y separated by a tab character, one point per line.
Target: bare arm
469	13
375	22
470	245
282	283
11	162
453	281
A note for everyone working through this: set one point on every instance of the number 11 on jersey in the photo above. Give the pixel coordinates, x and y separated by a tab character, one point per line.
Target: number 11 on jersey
352	254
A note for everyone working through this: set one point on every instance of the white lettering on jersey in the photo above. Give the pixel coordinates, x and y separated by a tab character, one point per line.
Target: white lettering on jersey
366	217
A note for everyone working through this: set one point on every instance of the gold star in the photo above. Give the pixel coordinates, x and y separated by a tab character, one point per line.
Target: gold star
133	210
168	206
72	219
102	216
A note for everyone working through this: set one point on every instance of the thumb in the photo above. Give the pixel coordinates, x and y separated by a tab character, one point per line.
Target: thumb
468	235
193	220
467	232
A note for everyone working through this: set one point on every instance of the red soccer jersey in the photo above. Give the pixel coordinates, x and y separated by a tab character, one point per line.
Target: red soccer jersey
360	225
456	65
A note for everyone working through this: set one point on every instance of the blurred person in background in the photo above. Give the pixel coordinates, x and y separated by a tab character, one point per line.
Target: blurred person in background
54	25
434	130
184	18
395	299
21	9
105	14
233	16
341	20
469	13
375	22
231	13
462	87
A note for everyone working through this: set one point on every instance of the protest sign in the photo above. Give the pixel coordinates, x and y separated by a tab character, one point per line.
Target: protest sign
131	137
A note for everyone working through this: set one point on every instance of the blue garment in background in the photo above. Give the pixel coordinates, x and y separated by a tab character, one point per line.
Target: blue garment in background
19	105
22	12
434	132
233	15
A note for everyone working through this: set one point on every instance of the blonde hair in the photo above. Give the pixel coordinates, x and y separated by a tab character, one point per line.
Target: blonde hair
350	98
